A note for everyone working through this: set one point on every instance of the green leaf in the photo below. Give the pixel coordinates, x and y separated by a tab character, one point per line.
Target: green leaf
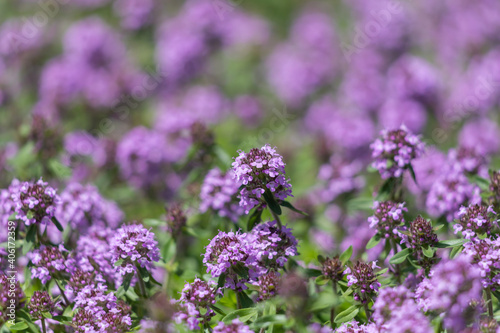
271	202
30	234
241	270
373	242
47	315
346	255
119	262
246	302
346	315
362	203
322	280
428	251
59	169
20	326
57	224
412	173
399	257
254	218
126	281
168	250
243	314
451	243
482	183
218	310
321	259
266	321
438	227
222	280
455	251
288	205
382	271
311	272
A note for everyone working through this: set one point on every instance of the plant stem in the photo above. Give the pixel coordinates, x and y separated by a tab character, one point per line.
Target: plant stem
238	300
367	311
277	218
332	317
142	286
396	266
489	301
44	329
66	301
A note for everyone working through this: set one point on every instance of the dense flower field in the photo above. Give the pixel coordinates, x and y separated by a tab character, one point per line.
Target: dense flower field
246	166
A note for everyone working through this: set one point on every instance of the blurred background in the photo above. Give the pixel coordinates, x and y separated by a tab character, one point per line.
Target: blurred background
141	98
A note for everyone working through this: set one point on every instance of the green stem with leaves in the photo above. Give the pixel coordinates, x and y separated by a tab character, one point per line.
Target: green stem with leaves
277	218
66	301
142	286
489	302
44	328
238	300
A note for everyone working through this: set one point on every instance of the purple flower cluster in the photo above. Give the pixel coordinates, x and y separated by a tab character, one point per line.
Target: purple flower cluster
394	152
450	289
268	285
261	170
219	193
388	217
97	69
474	220
134	245
225	252
355	327
50	262
449	192
272	245
264	247
35	203
361	277
9	290
298	67
198	296
339	177
485	254
333	269
395	310
143	156
93	254
236	326
99	311
39	303
83	206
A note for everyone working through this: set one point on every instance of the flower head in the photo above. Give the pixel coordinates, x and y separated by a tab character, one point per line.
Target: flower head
50	261
363	280
35	202
272	245
453	285
83	206
333	269
268	285
261	170
39	303
388	217
134	244
474	220
219	193
394	151
228	252
176	219
236	326
485	254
